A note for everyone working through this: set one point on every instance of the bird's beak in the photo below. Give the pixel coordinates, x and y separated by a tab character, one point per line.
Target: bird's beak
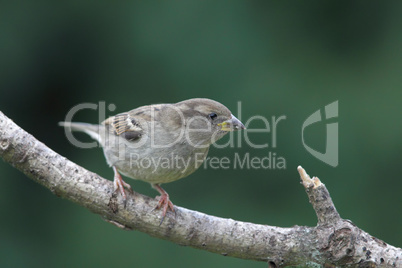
232	124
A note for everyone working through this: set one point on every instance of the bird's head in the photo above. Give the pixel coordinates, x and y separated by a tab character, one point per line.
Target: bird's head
206	121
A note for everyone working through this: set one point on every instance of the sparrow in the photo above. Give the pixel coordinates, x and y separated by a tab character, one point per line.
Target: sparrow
160	143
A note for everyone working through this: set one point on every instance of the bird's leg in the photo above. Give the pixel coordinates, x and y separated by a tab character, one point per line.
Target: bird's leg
164	201
119	184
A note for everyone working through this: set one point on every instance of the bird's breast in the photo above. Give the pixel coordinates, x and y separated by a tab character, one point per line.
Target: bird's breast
156	163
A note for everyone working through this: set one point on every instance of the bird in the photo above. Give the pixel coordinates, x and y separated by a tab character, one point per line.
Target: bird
160	143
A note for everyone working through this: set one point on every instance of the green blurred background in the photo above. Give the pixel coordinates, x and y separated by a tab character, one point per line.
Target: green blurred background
275	57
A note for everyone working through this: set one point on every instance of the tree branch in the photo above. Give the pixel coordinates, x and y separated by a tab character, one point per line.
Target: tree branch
333	242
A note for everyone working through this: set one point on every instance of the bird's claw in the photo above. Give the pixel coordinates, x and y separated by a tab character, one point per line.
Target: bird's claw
119	185
164	203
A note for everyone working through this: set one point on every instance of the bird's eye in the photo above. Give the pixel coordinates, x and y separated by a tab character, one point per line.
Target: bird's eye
213	116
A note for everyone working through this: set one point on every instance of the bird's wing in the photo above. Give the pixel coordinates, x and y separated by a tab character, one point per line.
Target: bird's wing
124	125
132	125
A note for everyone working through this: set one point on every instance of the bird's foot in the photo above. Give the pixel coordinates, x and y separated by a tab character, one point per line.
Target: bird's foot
164	202
119	185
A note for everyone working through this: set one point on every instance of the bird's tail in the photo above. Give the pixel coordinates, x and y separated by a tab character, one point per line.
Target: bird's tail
90	129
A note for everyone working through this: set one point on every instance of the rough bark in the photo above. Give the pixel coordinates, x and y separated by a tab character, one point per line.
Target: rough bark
334	242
